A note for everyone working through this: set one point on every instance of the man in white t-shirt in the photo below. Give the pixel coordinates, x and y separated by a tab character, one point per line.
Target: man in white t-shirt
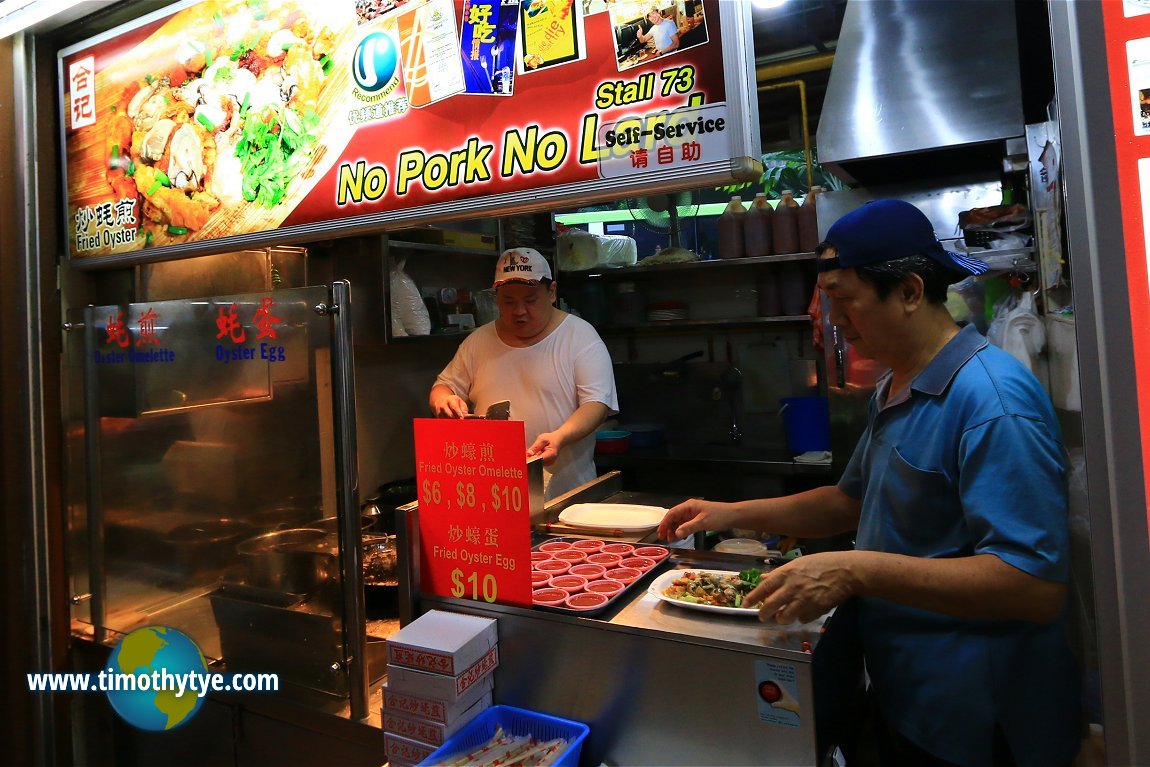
662	31
551	365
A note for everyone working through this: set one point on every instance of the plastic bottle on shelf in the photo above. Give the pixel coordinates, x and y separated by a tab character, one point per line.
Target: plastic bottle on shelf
757	227
785	225
809	221
731	229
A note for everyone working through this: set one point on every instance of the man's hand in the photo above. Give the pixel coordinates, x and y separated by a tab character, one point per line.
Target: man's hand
546	445
449	406
695	515
805	588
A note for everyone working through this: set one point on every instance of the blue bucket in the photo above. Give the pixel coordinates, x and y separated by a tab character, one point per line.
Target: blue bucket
807	422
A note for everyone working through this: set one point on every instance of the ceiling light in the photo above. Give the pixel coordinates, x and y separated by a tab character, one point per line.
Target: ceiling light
769	4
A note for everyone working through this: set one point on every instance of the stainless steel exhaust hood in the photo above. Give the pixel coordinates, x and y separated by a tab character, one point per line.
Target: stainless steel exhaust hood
921	76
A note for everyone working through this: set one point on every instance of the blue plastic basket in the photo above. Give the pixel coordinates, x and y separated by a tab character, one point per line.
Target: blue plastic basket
518	722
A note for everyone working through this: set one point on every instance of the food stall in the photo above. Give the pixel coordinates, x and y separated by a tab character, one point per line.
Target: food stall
141	437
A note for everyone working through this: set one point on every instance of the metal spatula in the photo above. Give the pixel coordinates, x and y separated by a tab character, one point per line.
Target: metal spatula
498	411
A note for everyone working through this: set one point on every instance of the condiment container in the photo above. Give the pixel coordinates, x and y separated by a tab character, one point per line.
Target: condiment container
757	225
606	587
588	570
552	566
623	574
572	584
585	601
731	229
549	596
785	225
604	558
808	221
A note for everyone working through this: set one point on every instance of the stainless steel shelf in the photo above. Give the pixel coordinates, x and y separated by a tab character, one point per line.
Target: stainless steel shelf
436	248
687	266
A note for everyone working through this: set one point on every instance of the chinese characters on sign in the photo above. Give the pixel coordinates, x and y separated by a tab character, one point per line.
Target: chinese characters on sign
146	325
82	91
662	140
474	515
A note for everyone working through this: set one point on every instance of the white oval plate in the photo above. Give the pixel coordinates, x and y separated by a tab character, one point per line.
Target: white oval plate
665	580
625	517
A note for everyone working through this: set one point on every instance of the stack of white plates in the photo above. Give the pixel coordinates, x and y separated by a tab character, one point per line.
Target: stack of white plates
659	315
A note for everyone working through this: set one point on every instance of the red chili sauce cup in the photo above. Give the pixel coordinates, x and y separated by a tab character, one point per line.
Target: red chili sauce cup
622	549
641	563
554	545
651	552
623	574
539	579
588	570
588	545
572	584
586	600
605	587
569	555
605	559
552	566
549	596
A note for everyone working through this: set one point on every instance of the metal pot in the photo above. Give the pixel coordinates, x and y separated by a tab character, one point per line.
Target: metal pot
207	545
379	561
331	524
285	514
293	561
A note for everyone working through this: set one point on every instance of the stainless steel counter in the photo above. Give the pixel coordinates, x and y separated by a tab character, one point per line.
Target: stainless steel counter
658	684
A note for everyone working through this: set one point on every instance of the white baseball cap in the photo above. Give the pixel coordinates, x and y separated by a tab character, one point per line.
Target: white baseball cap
521	265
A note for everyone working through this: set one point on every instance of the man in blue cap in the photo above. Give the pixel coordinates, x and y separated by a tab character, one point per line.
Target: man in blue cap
957	490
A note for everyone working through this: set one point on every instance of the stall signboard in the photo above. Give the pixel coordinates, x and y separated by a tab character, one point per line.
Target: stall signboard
474	513
1127	26
250	121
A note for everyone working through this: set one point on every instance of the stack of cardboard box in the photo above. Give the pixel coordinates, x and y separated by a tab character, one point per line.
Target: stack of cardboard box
438	679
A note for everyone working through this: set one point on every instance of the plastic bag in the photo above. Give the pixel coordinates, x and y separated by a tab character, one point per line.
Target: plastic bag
578	250
407	308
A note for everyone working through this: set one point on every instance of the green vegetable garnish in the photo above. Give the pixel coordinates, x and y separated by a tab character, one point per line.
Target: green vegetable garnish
154	188
177	230
203	120
148	237
131	169
163	178
326	63
750	576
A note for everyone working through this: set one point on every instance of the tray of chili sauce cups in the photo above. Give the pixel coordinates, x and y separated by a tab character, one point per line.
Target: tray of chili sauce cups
587	576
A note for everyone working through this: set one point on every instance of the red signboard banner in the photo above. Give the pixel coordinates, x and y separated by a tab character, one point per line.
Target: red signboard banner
474	515
252	120
1127	31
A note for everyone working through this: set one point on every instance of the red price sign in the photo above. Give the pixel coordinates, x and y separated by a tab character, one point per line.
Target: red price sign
474	515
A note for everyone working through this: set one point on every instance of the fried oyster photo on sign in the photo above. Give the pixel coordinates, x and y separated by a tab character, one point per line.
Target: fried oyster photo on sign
229	121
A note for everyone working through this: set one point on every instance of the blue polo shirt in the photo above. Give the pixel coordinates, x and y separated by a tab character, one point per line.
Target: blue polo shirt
966	460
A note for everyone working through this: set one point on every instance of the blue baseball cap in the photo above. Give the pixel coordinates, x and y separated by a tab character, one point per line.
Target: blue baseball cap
885	230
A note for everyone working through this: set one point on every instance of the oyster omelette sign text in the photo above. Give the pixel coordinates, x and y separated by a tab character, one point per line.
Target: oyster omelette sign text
474	514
